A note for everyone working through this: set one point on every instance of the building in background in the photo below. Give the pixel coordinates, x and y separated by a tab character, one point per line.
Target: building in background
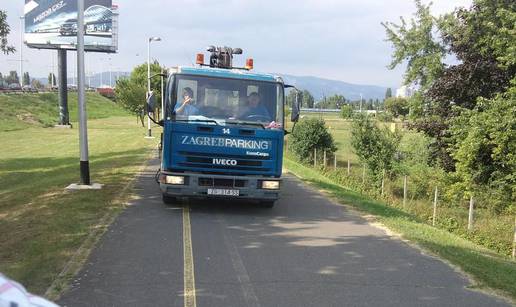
405	91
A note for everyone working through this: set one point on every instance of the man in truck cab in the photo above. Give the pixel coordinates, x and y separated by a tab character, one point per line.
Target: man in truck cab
255	109
186	108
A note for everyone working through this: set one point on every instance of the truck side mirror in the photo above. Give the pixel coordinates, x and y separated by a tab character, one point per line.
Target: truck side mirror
296	106
151	102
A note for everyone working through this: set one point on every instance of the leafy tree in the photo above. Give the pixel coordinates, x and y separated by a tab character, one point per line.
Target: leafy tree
1	79
388	93
130	95
415	44
12	78
311	134
397	106
139	76
52	81
308	99
4	31
35	83
26	78
375	147
346	111
485	147
332	102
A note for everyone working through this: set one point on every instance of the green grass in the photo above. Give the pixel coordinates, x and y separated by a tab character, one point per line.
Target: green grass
487	268
41	223
30	110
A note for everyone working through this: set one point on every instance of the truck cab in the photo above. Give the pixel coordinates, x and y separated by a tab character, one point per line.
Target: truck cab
223	133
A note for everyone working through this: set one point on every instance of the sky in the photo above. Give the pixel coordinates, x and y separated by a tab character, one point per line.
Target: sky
332	39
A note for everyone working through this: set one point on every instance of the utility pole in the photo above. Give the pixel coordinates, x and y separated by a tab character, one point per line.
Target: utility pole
64	118
151	39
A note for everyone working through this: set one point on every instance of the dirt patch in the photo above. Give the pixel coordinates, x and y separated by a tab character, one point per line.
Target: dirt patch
28	118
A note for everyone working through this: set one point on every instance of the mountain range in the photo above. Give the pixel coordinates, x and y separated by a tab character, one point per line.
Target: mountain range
318	87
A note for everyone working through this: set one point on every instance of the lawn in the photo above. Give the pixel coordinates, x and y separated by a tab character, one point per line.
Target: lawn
43	225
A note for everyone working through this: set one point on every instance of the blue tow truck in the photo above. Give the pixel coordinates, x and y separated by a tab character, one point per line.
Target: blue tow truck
223	131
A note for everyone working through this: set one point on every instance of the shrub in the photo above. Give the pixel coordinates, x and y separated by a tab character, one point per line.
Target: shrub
346	111
310	134
375	147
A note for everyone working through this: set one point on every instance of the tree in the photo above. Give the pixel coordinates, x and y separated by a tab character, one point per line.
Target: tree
332	102
346	111
485	148
1	80
4	31
12	78
308	99
397	106
35	83
52	82
374	146
26	78
311	134
388	93
416	45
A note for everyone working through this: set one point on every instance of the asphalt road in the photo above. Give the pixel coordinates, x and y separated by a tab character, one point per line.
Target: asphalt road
306	251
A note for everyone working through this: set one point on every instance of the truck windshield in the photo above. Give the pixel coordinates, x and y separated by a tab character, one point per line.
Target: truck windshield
226	101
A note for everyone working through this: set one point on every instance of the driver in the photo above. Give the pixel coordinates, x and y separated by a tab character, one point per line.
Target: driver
255	109
187	107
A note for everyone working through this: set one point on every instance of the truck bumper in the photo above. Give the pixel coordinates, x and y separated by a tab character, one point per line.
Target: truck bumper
197	185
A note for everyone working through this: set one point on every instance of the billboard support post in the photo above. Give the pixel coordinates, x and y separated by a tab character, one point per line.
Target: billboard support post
64	118
83	128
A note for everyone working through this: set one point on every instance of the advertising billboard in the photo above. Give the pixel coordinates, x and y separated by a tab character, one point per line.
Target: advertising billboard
52	24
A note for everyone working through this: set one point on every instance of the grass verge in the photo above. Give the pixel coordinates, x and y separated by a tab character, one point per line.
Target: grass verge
43	225
486	268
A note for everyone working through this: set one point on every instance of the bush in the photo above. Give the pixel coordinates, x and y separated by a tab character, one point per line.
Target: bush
375	147
310	134
346	111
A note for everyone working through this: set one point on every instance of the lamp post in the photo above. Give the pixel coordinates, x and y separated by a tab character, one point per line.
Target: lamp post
22	19
151	39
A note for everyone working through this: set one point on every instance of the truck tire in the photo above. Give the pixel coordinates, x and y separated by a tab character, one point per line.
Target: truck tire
267	204
169	200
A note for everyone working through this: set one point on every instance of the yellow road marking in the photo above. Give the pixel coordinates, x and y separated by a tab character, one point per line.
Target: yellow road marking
189	276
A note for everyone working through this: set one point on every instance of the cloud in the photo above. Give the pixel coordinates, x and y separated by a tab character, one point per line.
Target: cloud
327	38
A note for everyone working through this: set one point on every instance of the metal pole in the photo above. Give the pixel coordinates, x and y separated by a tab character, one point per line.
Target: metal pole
315	157
470	214
335	162
21	51
435	207
83	129
349	167
64	118
149	131
324	159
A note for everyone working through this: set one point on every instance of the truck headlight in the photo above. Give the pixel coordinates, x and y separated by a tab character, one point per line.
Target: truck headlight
270	184
179	180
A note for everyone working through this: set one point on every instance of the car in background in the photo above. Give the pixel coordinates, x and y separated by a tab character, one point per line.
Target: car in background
68	28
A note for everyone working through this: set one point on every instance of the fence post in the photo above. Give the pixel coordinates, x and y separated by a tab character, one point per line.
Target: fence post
324	159
363	178
315	157
435	207
470	215
383	182
335	162
349	167
404	191
514	241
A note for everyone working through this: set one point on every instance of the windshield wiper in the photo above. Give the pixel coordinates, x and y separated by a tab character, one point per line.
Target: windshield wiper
240	122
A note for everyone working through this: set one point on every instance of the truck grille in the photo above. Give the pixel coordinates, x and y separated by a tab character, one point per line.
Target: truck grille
206	160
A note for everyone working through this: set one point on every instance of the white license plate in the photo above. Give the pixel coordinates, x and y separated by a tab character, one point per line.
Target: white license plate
224	192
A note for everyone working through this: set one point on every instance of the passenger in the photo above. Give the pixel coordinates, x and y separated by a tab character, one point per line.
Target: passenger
187	107
255	110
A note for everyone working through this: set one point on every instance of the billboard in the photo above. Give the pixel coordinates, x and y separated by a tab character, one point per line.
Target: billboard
52	24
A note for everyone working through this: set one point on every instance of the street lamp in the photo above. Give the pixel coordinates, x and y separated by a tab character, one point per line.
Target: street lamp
151	39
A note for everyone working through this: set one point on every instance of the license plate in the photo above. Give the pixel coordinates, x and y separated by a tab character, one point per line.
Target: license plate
224	192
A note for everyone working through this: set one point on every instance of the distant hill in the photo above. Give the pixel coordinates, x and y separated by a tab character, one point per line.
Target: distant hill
320	87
